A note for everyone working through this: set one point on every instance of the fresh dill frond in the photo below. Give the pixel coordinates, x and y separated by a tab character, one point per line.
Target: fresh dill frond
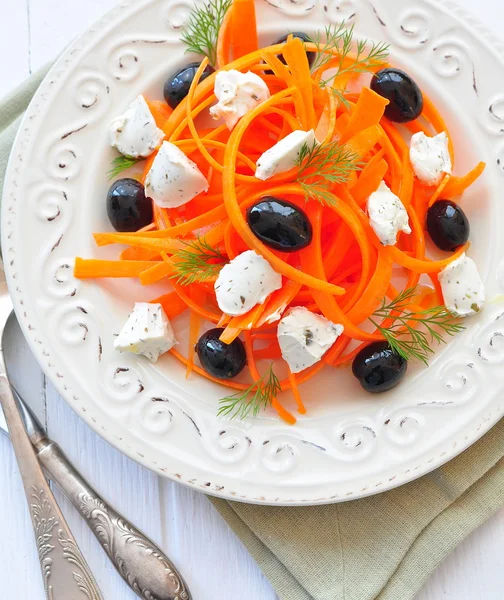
322	166
198	261
202	29
242	405
405	336
120	164
341	40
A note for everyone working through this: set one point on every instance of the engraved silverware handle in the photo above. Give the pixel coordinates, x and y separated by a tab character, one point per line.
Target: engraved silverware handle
139	561
65	572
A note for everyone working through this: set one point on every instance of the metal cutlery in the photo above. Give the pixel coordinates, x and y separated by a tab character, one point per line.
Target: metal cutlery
140	562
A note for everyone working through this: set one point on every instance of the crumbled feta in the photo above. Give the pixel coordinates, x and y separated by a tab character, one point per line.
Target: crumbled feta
429	157
135	133
387	215
305	337
244	282
147	331
173	178
463	290
237	93
283	155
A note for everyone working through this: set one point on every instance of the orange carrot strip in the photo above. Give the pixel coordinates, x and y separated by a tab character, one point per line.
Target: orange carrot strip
361	143
278	302
172	304
422	266
296	58
194	328
243	28
224	41
431	113
439	189
133	253
94	268
295	392
161	217
368	112
160	111
238	324
155	273
457	185
166	244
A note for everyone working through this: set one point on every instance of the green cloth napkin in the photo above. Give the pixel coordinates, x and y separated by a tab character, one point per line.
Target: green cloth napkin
383	547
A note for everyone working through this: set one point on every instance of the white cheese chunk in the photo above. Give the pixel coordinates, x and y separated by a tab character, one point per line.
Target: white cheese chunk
463	290
244	282
429	157
237	93
173	179
147	331
305	337
283	155
387	215
135	133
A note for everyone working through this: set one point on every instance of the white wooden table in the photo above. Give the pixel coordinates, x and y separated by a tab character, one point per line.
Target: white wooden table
183	522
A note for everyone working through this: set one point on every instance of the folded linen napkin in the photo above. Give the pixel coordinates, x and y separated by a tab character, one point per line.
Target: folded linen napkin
383	547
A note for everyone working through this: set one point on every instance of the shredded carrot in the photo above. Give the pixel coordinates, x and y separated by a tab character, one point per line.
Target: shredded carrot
368	112
243	28
172	304
457	185
439	190
295	392
89	268
156	273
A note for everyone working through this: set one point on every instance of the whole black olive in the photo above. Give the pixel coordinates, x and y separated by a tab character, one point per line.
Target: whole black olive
406	101
447	225
127	206
379	368
177	86
279	224
219	359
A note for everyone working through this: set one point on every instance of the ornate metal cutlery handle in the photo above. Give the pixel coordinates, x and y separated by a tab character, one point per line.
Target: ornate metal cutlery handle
65	572
140	562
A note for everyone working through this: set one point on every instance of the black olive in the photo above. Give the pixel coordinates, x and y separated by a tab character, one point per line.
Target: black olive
177	86
447	225
303	37
379	368
219	359
279	224
127	207
406	101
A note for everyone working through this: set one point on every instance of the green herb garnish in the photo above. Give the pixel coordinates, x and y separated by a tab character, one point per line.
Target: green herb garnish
202	30
198	261
323	165
408	341
242	405
340	39
120	164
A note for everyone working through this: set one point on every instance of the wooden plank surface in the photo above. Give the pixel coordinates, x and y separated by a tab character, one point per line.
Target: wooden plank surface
214	562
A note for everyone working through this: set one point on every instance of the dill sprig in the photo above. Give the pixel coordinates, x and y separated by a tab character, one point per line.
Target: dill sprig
202	29
407	340
322	166
198	261
120	164
341	40
241	405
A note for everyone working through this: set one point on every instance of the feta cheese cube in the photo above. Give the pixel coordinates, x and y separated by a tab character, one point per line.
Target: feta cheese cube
387	215
304	337
244	282
174	179
147	331
463	290
135	133
283	155
237	93
429	157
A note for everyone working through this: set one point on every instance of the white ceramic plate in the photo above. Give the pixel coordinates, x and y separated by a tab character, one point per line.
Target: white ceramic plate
351	444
